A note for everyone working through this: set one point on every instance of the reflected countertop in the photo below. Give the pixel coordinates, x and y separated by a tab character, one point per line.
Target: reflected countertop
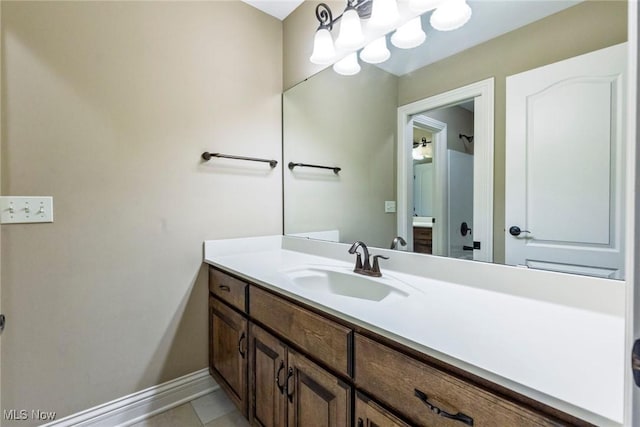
423	221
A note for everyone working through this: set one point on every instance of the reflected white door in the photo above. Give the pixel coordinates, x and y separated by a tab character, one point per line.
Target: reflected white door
565	165
460	190
423	187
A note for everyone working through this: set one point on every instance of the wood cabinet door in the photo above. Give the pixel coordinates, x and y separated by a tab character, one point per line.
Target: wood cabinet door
315	397
267	373
370	414
229	352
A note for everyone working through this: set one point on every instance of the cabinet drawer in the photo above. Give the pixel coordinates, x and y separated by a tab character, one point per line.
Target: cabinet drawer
228	289
321	338
370	414
430	397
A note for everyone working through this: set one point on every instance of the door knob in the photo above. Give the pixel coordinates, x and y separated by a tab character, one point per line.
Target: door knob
635	362
515	230
465	229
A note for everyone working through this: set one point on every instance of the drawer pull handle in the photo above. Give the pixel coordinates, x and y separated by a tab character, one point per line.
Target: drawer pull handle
457	417
280	386
225	288
290	395
242	337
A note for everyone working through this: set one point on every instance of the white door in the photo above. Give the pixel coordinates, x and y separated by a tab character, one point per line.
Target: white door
460	190
565	128
423	187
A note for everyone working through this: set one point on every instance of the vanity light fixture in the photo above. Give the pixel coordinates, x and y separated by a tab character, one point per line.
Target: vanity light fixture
365	24
450	15
350	36
409	35
376	52
384	14
422	150
347	66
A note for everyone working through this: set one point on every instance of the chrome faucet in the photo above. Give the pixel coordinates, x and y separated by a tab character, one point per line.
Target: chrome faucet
364	267
396	240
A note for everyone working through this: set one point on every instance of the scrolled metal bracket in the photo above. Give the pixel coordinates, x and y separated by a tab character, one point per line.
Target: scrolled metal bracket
325	17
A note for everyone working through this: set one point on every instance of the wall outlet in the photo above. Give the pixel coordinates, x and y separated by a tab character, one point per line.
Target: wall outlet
389	206
17	209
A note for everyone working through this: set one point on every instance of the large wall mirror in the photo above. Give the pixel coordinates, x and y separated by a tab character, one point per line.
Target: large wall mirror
545	149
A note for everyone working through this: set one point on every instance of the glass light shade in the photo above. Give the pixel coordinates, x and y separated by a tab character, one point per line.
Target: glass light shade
416	155
424	5
347	66
422	152
350	36
452	14
409	35
376	51
384	14
323	50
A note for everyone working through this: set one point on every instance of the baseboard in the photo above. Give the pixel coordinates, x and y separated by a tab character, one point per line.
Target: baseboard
136	407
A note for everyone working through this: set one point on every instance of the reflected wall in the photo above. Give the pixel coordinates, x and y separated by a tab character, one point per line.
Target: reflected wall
346	122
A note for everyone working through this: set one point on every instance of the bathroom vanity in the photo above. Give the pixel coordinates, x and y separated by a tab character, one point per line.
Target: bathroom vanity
423	235
297	339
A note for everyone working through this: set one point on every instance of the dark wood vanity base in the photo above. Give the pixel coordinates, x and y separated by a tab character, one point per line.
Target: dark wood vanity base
423	240
284	363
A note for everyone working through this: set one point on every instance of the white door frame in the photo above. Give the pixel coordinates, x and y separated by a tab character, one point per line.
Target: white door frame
483	95
632	266
440	196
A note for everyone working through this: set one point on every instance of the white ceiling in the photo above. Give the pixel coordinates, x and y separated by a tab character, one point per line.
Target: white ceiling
278	8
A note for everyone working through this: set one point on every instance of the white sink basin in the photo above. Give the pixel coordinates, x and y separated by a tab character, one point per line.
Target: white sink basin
343	282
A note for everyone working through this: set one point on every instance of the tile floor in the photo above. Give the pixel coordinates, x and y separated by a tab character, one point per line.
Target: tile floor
211	410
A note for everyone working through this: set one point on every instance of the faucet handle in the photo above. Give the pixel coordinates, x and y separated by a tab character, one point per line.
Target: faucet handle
358	262
375	270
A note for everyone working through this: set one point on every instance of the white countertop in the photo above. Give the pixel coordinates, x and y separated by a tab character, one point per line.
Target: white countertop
536	342
423	221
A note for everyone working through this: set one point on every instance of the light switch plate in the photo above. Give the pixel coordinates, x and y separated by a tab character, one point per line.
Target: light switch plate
389	206
18	209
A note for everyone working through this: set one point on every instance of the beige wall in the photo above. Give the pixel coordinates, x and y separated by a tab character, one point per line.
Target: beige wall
320	129
107	107
458	120
588	26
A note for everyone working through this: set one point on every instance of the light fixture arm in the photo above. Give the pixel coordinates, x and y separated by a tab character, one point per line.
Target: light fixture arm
325	16
422	142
